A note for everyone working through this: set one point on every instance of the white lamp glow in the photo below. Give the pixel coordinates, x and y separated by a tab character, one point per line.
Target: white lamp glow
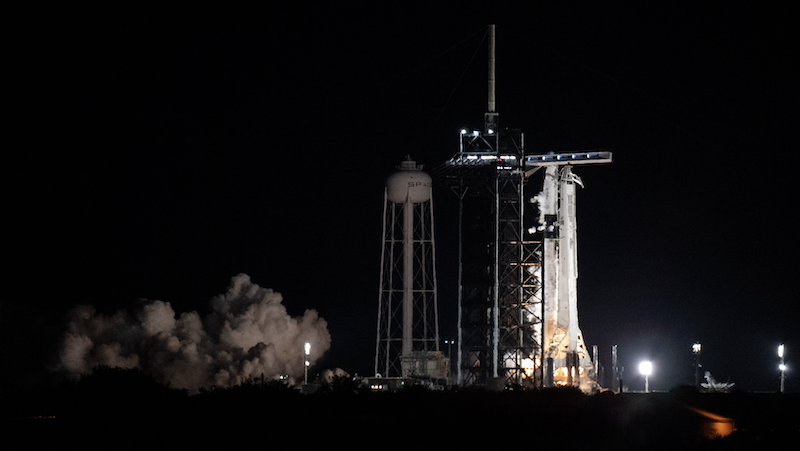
782	366
307	348
646	368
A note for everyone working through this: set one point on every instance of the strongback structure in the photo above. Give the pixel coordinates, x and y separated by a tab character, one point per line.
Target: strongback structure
517	279
408	325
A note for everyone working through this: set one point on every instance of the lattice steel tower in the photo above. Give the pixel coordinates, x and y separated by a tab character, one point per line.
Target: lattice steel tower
499	270
500	311
408	324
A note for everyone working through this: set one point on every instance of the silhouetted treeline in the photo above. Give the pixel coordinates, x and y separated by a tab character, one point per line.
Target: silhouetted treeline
117	401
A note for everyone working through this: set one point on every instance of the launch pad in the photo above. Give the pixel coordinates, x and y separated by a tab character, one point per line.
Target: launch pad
517	298
517	272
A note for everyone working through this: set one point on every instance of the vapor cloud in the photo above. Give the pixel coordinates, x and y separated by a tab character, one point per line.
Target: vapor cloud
248	333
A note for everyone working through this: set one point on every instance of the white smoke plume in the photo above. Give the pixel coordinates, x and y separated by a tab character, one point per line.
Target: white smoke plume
248	333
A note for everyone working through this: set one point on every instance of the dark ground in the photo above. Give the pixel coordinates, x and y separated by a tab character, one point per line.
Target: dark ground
125	407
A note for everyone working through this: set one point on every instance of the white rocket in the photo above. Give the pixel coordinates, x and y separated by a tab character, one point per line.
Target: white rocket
563	341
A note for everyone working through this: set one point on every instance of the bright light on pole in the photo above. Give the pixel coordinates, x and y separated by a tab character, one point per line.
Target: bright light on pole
782	366
646	368
696	349
307	349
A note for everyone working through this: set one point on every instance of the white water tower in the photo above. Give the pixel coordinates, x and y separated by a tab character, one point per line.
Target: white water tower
408	322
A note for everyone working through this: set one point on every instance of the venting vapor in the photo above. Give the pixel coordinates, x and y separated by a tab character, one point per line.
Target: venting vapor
248	333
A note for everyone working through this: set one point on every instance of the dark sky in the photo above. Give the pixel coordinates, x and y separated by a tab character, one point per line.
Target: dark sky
158	152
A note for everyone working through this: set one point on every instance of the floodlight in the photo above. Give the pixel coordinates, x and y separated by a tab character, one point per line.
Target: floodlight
646	368
782	366
307	349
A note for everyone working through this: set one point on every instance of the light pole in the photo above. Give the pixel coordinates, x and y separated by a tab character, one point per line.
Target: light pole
696	350
307	349
782	366
646	368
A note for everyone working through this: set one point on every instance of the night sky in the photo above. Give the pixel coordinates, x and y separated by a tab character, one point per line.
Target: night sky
156	153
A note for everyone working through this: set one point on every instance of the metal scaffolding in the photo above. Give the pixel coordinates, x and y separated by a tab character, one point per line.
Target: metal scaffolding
500	292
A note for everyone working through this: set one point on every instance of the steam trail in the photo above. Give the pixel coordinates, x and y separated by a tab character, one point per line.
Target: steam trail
248	333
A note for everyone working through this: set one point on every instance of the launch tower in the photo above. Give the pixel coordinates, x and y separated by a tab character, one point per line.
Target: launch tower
500	290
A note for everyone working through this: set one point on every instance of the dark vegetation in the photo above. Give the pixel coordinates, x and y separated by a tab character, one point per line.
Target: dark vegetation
129	405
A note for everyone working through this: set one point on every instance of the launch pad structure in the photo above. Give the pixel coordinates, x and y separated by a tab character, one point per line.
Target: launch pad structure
517	272
517	291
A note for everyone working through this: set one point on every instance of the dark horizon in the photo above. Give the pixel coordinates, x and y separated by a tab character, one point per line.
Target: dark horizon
112	402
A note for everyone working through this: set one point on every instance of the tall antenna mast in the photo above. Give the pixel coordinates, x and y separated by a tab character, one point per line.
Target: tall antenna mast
490	118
